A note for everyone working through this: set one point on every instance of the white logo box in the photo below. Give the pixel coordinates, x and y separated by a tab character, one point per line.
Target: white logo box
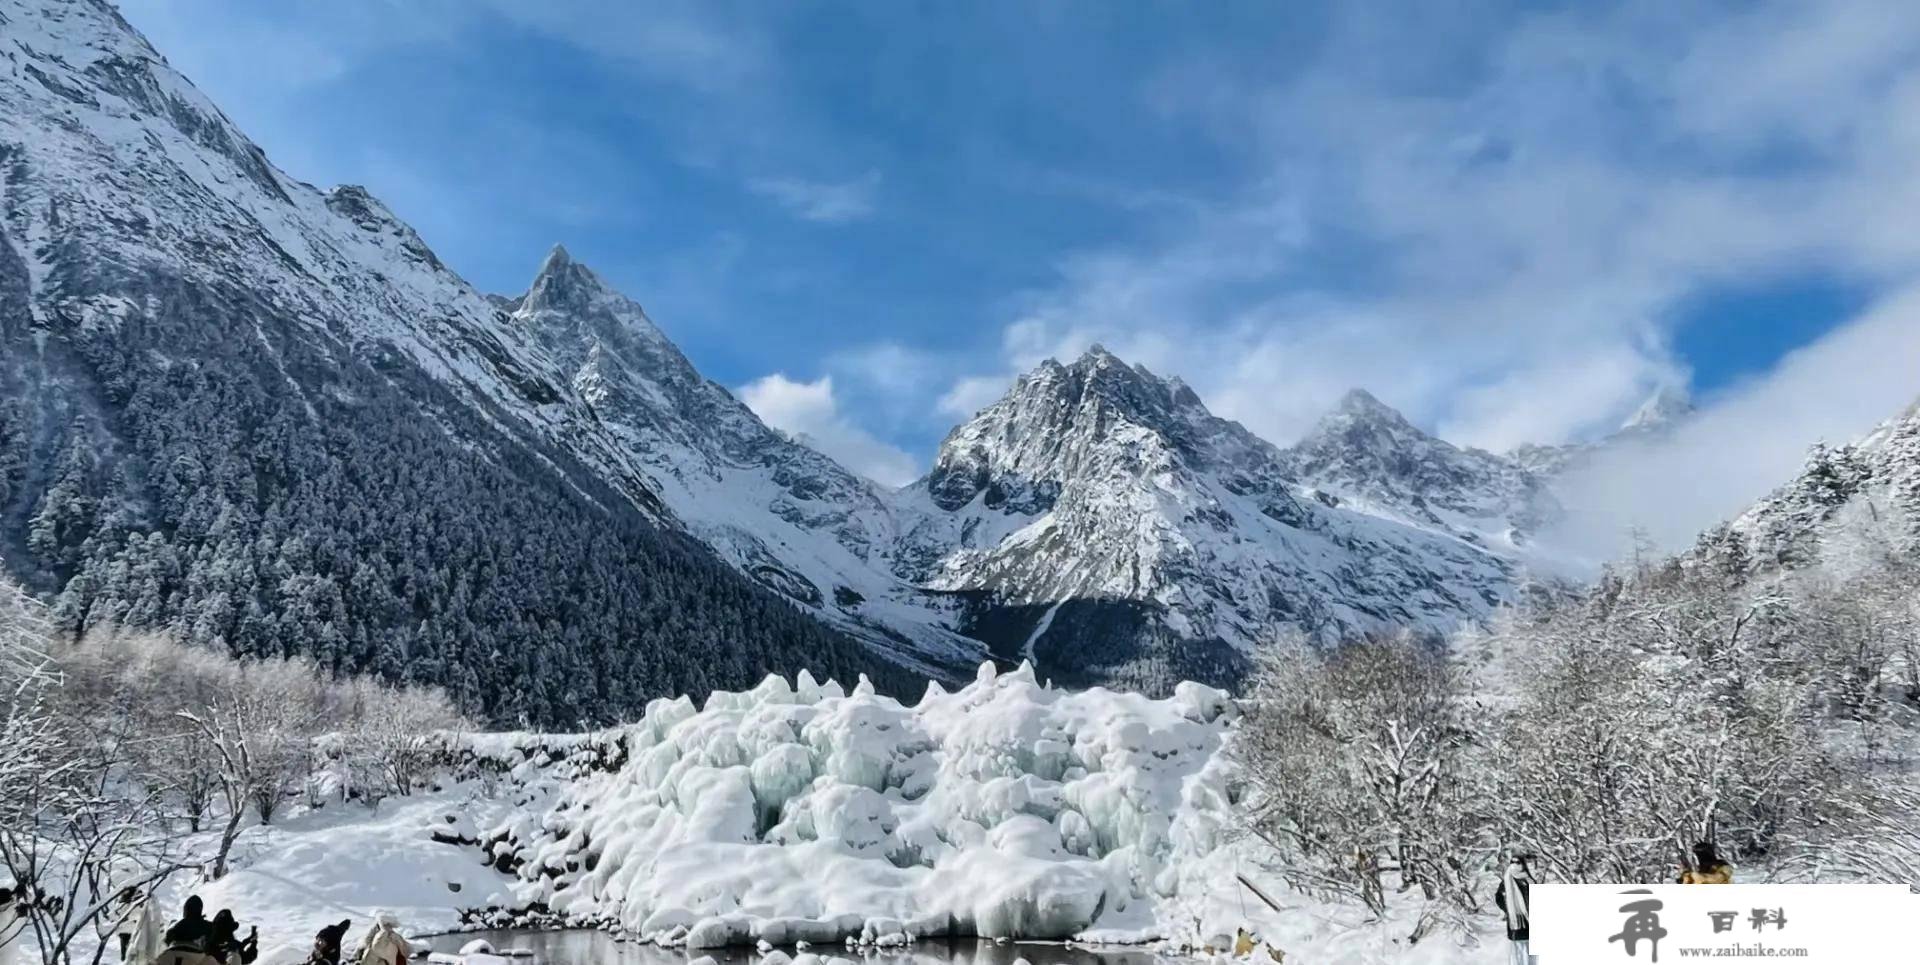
1805	924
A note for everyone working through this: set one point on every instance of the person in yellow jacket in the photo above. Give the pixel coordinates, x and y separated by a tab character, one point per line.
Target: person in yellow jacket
1707	868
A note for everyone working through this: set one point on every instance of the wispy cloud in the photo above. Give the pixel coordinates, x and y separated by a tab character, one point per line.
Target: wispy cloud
695	45
827	202
1749	440
810	412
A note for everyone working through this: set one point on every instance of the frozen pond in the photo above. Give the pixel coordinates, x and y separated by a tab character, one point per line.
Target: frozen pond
599	948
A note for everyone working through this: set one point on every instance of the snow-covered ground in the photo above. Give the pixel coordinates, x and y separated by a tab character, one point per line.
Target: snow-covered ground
351	862
802	812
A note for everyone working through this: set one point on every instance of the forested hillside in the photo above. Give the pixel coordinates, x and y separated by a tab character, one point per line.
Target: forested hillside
341	525
269	420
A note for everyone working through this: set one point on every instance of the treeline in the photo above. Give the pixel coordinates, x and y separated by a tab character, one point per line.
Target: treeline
214	741
276	495
1604	736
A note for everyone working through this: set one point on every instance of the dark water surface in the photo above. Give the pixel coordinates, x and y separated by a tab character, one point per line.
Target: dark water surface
599	948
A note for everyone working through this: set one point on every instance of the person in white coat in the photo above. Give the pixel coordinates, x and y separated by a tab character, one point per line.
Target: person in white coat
136	928
384	945
1516	889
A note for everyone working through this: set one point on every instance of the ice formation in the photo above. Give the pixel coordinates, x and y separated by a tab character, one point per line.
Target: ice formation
800	812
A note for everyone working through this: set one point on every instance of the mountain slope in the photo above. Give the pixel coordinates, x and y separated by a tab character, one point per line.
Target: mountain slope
268	418
1106	524
783	513
1849	506
1376	460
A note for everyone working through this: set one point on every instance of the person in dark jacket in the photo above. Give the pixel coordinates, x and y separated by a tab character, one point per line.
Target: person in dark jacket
326	945
192	930
228	946
10	909
1513	896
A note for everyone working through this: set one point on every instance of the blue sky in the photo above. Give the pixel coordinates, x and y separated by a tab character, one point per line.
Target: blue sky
1513	221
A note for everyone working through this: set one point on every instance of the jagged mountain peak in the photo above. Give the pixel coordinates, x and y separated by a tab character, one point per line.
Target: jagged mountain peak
563	284
1661	411
376	397
1104	386
1058	420
1094	363
1124	517
1667	405
1366	450
1360	401
1362	408
782	512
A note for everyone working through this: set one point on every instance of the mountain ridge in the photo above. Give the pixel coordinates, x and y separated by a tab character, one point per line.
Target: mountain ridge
1097	481
266	416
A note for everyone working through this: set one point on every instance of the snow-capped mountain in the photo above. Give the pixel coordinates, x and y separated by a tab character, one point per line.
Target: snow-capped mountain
1662	410
783	513
1110	527
1377	461
1850	505
266	416
1657	416
263	416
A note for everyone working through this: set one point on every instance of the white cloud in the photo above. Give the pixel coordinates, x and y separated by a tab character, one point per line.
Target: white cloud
971	394
1505	261
809	411
892	368
828	202
1752	439
690	43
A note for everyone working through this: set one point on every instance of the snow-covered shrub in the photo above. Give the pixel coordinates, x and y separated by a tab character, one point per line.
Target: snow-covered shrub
1869	833
225	737
394	736
1357	760
1678	706
26	725
64	845
1605	735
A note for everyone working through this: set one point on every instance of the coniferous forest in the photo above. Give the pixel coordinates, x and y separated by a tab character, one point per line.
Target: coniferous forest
274	494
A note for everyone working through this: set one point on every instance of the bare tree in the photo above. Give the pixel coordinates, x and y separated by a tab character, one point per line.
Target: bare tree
261	732
398	733
1354	756
70	838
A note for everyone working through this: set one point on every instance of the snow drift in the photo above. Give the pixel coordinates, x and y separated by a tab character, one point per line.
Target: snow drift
804	813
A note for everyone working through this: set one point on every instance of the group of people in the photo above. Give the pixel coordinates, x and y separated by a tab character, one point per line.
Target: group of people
217	938
198	940
1516	888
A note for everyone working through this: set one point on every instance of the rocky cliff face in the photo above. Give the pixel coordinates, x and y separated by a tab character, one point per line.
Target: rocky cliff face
1666	408
1097	496
1375	459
